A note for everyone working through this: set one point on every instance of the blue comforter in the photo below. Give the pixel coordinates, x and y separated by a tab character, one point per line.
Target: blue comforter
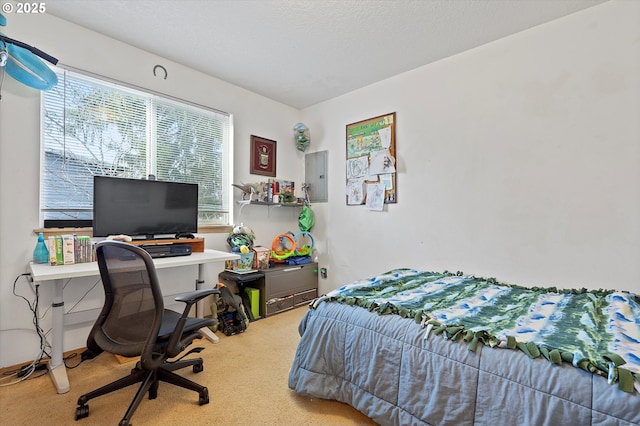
376	357
598	331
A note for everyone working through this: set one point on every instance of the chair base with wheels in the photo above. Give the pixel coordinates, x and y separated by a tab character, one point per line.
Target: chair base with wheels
149	382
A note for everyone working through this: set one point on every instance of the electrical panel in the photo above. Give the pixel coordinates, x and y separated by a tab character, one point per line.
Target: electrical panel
315	175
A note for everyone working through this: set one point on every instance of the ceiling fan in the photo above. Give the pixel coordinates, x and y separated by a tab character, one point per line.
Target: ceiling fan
23	62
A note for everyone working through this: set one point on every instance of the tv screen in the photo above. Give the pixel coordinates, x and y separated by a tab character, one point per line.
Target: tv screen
143	208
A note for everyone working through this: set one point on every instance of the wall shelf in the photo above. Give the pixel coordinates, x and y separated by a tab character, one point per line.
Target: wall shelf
260	203
244	203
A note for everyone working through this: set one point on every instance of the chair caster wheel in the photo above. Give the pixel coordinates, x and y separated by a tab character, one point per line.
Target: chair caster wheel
124	422
82	412
204	397
197	368
153	394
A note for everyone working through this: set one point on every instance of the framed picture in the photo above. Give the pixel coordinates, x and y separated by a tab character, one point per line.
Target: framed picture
263	156
371	162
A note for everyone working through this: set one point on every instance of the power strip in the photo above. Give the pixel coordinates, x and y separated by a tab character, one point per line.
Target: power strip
26	369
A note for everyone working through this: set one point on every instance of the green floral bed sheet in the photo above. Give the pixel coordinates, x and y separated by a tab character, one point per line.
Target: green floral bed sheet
598	331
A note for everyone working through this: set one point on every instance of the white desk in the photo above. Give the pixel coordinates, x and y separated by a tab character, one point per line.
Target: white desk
44	272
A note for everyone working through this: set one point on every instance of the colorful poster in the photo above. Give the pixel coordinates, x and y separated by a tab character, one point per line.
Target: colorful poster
371	158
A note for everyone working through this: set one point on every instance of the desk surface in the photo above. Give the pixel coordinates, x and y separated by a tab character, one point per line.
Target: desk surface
45	272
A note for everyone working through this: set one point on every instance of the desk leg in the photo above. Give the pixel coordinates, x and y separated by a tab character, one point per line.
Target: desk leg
57	369
206	332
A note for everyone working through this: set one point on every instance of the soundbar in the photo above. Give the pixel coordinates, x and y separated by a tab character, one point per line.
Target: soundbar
167	250
75	223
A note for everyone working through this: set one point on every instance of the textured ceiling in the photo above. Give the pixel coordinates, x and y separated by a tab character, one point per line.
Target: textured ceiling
301	52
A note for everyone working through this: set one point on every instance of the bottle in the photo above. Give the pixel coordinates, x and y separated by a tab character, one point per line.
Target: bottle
41	253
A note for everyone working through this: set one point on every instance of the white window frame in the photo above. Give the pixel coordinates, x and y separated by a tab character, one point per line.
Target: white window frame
221	216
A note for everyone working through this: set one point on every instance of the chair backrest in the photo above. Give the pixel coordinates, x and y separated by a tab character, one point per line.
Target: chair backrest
132	314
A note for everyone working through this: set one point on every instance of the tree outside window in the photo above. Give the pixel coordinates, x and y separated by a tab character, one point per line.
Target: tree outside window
93	127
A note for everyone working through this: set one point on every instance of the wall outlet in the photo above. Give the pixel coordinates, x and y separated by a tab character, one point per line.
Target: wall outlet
323	272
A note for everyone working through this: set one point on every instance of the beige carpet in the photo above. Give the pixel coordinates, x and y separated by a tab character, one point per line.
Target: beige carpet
246	375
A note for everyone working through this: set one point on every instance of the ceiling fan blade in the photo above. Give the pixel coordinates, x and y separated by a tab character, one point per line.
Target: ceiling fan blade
28	69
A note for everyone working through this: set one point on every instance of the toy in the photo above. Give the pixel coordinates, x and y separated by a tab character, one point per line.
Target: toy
301	133
303	249
241	235
282	247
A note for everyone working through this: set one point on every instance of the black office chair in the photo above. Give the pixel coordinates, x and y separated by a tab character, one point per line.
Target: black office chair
133	322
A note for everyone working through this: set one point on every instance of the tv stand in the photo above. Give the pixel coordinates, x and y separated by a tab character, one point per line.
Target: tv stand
197	244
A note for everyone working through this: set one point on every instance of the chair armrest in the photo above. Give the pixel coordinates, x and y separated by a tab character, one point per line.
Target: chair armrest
193	296
175	345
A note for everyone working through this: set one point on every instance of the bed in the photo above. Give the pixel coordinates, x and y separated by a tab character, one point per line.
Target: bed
411	347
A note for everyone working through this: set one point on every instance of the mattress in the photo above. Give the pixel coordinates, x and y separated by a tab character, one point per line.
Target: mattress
375	354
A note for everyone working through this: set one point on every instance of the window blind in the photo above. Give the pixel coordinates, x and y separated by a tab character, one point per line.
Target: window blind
94	127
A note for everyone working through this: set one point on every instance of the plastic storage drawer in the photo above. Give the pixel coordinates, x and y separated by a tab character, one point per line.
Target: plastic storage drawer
279	304
304	297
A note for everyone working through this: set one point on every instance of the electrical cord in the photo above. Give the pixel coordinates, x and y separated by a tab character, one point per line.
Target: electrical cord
27	370
44	344
86	293
49	308
71	309
73	355
15	282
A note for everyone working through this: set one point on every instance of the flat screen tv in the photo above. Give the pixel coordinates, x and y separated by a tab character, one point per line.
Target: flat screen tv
143	209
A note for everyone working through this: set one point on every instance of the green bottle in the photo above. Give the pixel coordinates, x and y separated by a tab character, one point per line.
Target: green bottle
41	253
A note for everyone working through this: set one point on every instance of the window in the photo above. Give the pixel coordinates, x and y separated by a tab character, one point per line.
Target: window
94	127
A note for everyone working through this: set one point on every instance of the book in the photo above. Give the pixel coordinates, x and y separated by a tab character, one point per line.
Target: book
59	251
68	249
53	260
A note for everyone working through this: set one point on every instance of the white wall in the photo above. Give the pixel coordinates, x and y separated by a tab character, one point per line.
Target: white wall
518	160
20	153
